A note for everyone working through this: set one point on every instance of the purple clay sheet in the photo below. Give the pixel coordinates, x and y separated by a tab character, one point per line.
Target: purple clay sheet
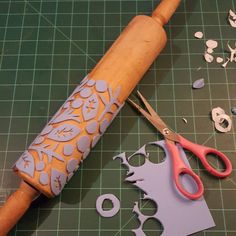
178	215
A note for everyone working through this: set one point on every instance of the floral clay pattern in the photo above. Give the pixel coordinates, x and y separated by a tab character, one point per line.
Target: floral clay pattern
55	154
178	215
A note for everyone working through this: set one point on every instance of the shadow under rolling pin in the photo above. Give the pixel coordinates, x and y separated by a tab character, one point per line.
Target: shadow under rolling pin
66	140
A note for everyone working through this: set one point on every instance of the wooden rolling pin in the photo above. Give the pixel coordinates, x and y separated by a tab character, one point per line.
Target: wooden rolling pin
66	140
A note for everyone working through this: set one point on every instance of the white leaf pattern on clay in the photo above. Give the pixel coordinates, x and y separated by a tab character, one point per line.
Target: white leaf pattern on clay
64	133
58	181
90	107
26	164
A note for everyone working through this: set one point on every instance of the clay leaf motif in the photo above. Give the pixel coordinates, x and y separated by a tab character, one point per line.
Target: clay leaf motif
26	164
90	107
64	132
58	181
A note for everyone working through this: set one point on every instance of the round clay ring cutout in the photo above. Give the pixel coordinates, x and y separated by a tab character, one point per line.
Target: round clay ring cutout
108	213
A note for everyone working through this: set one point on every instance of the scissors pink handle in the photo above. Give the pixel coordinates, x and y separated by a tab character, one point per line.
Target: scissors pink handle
201	152
180	168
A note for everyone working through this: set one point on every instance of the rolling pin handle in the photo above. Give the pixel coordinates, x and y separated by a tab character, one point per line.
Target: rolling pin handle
165	10
15	207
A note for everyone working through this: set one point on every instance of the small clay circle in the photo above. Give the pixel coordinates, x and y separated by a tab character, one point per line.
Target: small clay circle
83	143
91	82
43	178
92	127
108	213
71	165
77	103
40	166
86	92
68	149
101	86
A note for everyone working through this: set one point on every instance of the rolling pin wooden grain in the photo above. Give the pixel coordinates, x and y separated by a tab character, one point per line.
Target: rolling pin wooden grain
66	140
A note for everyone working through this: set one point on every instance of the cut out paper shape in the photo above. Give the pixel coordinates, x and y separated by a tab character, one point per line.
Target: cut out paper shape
178	215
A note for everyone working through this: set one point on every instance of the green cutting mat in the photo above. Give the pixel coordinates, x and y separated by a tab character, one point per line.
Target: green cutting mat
48	46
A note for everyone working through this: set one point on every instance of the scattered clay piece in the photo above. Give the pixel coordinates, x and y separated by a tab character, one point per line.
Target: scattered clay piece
233	110
225	64
223	123
209	58
219	59
211	44
232	14
199	83
210	50
185	120
107	213
232	18
198	35
216	113
232	52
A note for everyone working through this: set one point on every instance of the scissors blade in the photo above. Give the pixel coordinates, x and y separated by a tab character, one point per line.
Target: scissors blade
155	120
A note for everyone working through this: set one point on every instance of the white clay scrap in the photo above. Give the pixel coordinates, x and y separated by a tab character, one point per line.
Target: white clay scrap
219	60
225	64
232	18
232	53
210	50
198	35
185	120
211	44
222	121
208	57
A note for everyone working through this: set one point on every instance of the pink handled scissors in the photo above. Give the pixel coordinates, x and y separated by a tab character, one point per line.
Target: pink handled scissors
179	167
